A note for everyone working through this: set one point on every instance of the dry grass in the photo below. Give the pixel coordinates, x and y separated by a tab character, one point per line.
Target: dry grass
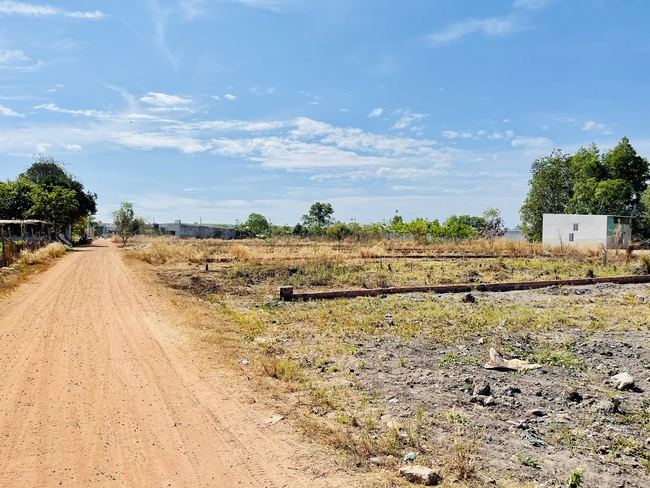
302	354
42	255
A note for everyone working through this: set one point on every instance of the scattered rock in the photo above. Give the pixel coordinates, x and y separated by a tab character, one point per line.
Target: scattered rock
574	396
623	381
534	440
468	298
537	413
606	406
420	475
481	389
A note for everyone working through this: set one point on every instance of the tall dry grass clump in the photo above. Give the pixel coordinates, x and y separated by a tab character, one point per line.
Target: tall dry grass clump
163	251
42	255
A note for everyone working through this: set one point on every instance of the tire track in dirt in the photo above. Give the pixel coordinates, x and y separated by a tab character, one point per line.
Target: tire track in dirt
96	392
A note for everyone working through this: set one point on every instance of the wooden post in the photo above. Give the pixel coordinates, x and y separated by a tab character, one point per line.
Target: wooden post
4	251
286	293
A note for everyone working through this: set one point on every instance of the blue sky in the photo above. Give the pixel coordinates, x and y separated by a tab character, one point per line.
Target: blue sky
213	109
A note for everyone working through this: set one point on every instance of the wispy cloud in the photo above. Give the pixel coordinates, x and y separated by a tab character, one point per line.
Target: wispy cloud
50	107
452	134
7	112
230	96
164	100
515	21
591	126
31	10
406	118
12	55
376	112
532	143
495	26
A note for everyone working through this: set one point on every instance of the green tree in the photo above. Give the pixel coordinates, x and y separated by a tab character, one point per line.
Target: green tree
462	227
338	231
623	163
319	217
255	226
126	223
53	204
551	188
47	172
16	199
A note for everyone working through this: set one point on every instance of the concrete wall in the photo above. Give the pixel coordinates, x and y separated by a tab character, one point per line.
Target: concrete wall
199	231
586	231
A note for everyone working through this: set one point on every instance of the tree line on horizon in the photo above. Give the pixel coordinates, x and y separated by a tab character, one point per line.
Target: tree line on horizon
613	182
319	222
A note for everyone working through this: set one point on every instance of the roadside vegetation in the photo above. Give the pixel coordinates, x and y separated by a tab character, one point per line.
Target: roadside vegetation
391	381
29	262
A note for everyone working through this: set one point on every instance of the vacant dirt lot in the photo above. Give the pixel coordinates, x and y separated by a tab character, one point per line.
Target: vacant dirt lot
399	379
99	388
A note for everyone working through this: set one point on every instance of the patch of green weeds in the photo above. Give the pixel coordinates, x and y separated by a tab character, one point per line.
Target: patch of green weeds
285	369
558	355
452	358
455	417
529	461
575	478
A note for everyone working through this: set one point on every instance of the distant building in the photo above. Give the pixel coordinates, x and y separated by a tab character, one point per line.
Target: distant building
201	231
515	234
602	231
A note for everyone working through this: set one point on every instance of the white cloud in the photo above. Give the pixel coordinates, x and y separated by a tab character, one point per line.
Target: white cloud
72	147
164	100
230	96
262	91
590	125
532	143
376	113
450	134
407	118
495	26
9	113
496	135
12	55
157	140
31	10
50	107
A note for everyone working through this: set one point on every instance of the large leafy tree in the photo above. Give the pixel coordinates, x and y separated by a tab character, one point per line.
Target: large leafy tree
588	182
551	187
53	204
16	199
255	226
48	173
319	217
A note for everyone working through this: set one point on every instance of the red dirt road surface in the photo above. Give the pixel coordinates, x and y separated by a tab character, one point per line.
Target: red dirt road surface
96	391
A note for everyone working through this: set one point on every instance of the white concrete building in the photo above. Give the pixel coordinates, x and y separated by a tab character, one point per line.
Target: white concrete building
598	231
203	231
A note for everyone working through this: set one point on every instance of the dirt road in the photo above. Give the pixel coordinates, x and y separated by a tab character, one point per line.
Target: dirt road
95	391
